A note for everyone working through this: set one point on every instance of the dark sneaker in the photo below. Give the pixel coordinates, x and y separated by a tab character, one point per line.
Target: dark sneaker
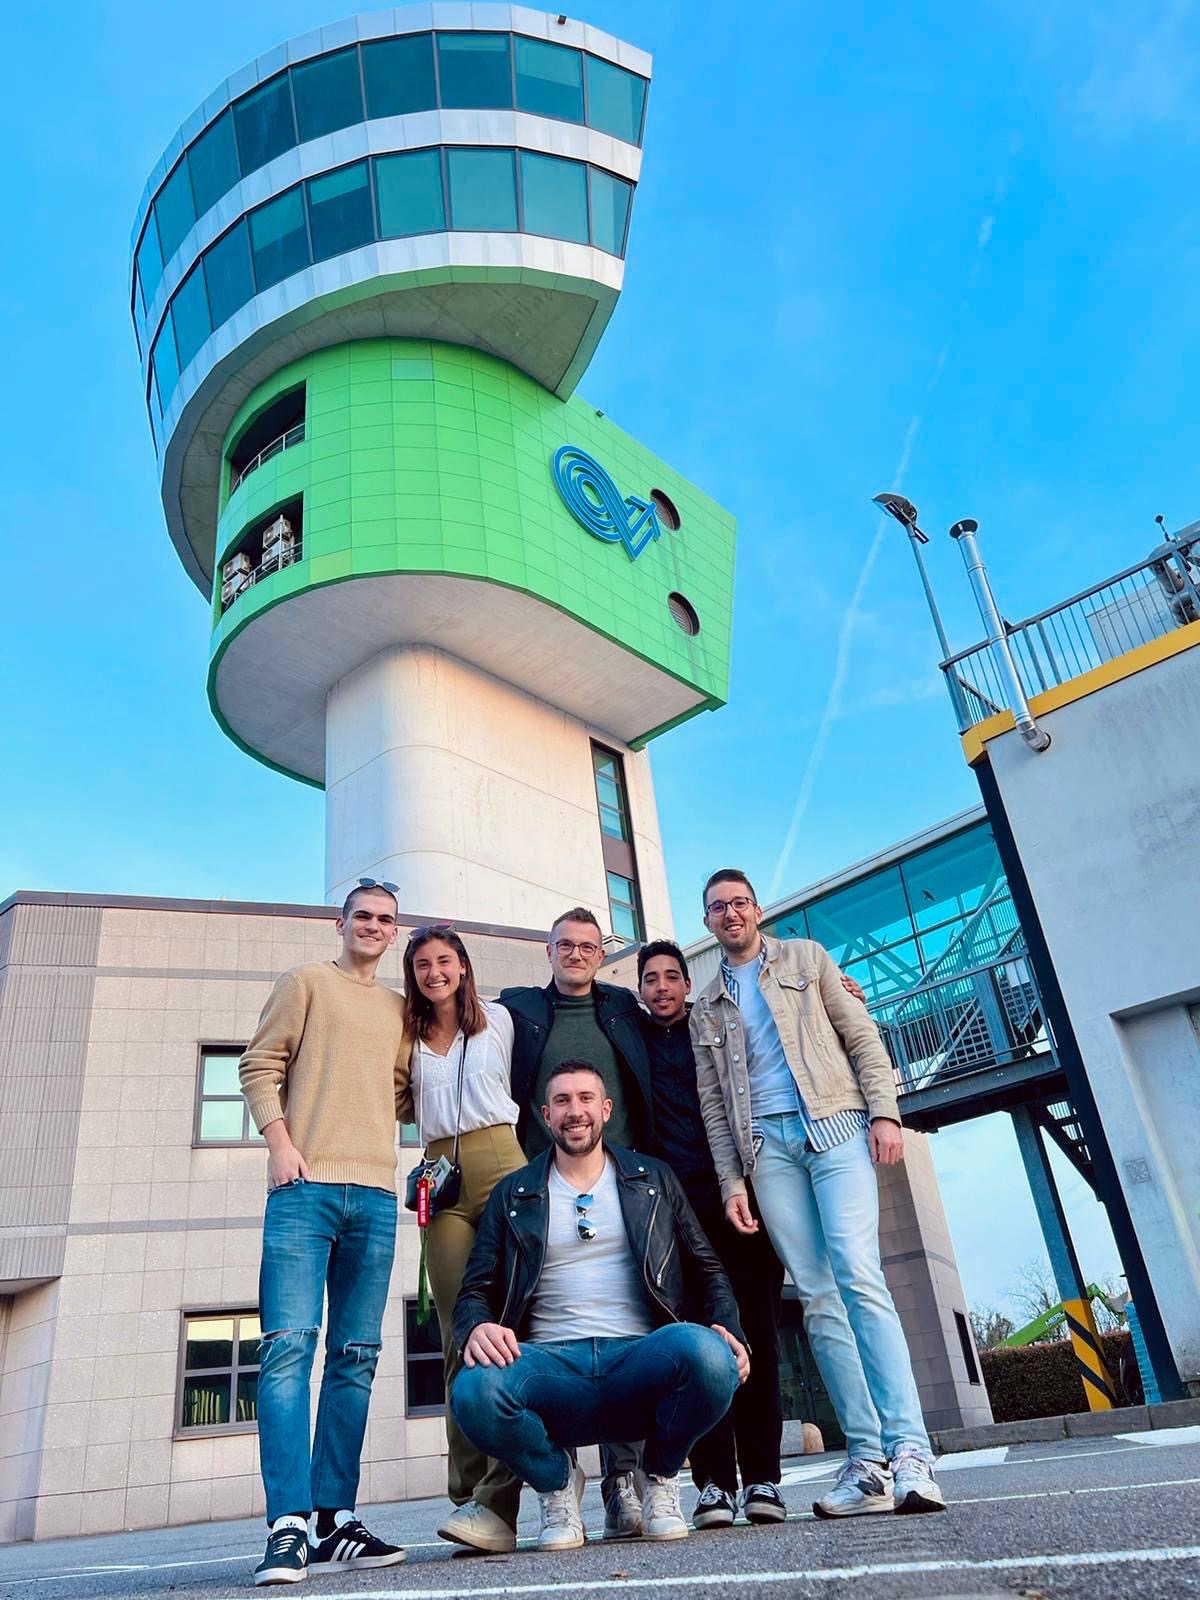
623	1509
286	1560
350	1548
762	1502
862	1487
916	1488
716	1508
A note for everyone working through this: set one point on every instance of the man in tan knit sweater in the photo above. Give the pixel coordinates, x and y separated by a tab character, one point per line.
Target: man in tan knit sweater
320	1079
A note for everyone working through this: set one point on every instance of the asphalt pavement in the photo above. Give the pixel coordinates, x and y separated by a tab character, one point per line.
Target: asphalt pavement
1088	1518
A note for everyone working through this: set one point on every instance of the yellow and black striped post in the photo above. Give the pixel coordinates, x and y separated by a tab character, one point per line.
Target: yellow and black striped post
1089	1356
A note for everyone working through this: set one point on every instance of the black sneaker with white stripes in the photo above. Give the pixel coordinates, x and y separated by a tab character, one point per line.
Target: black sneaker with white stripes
762	1502
351	1548
286	1560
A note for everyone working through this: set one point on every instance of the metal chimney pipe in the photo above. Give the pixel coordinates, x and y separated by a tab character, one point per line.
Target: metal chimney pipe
1036	738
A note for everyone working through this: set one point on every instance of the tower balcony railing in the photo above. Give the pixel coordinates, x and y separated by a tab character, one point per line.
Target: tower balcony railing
1143	603
281	555
285	441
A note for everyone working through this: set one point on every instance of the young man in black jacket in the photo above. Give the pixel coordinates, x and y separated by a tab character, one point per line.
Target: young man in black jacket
572	1317
750	1433
574	1017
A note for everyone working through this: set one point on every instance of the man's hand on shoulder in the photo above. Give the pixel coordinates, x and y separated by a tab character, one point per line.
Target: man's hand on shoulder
491	1345
740	1354
286	1164
886	1139
853	988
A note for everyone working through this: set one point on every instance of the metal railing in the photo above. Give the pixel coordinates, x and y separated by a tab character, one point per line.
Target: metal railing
1143	603
285	556
284	442
987	1017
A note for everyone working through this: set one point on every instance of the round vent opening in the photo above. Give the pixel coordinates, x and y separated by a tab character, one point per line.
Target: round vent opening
684	615
668	514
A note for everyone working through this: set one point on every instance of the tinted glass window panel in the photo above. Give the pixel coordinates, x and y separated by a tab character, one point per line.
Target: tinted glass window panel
222	1120
189	308
953	878
549	79
555	196
221	1075
483	190
247	1397
339	211
792	925
421	1338
209	1343
615	100
149	262
278	239
264	124
474	70
327	93
622	906
205	1402
213	163
610	211
410	194
229	276
399	75
175	210
249	1333
888	972
166	364
861	917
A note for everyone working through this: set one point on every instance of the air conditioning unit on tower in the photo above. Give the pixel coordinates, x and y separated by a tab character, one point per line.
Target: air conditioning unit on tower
278	545
236	575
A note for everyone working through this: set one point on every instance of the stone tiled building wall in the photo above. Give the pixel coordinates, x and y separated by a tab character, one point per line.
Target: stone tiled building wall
115	1224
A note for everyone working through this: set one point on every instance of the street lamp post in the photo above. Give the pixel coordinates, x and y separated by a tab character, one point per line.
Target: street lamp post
905	513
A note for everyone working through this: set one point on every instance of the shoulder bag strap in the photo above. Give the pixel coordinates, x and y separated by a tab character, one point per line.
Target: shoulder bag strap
462	1062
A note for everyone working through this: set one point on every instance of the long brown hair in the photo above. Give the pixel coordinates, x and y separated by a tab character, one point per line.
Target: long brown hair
418	1011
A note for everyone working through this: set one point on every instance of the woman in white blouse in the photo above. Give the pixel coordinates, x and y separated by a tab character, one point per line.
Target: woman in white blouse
448	1023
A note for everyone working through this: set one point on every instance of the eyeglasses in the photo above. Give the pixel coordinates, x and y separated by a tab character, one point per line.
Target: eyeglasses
379	883
586	950
740	902
585	1228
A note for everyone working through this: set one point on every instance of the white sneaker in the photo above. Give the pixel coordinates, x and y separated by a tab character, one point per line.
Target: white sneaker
916	1488
478	1528
862	1487
662	1515
562	1524
623	1509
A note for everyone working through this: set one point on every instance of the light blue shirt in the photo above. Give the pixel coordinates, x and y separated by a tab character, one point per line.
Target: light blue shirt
767	1065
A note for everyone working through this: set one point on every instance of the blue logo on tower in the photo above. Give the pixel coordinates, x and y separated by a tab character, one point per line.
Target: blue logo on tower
593	499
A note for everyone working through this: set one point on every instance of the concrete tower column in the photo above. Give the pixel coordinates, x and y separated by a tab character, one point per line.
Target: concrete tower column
476	798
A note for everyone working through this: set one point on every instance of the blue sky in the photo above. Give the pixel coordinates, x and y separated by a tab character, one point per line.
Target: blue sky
951	246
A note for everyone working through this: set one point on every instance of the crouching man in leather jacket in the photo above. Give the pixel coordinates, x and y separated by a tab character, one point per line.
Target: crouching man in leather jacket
573	1317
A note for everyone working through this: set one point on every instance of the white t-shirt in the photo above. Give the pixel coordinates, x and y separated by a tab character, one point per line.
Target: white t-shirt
589	1289
487	1099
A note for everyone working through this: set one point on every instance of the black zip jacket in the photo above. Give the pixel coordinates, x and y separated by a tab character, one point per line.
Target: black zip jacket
684	1280
618	1013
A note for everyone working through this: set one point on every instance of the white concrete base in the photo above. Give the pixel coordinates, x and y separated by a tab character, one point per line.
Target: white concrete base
476	798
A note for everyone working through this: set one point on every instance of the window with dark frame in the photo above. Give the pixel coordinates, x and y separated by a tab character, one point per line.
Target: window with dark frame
222	1115
424	1376
218	1371
616	842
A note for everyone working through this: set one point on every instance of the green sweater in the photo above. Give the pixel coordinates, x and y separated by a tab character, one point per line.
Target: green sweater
576	1033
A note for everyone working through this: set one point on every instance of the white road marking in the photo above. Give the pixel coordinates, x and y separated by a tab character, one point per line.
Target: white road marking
1052	1494
994	1457
1161	1436
872	1569
809	1474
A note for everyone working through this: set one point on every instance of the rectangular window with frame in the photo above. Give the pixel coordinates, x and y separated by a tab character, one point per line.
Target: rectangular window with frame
424	1375
222	1115
218	1371
616	844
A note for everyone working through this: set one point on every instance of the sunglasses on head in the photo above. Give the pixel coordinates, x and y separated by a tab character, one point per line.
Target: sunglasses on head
434	927
379	883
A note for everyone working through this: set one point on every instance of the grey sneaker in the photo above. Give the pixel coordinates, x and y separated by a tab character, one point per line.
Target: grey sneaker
562	1524
623	1510
862	1487
916	1488
662	1515
478	1528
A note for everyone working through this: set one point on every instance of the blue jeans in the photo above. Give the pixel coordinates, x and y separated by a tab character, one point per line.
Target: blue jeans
821	1208
667	1387
318	1236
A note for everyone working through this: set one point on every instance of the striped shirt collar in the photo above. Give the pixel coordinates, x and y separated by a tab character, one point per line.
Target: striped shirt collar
729	977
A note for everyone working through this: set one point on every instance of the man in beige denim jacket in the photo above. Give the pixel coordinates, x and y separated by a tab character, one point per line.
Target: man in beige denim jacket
797	1091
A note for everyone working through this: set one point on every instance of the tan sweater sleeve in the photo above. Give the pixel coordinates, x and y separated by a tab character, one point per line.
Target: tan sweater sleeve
405	1110
867	1052
264	1066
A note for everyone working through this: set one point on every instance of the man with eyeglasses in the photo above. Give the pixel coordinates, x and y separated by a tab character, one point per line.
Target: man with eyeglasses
576	1018
574	1317
320	1077
798	1095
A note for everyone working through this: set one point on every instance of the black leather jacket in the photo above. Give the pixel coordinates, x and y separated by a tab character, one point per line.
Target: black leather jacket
684	1280
618	1013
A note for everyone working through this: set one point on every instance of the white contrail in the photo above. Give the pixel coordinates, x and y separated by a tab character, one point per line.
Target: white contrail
841	669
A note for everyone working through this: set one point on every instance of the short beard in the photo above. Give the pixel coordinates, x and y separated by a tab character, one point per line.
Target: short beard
560	1139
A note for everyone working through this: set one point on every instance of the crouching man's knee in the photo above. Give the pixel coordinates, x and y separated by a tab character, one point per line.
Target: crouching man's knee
477	1401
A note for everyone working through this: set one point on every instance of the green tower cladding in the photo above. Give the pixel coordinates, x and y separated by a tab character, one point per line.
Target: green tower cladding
368	274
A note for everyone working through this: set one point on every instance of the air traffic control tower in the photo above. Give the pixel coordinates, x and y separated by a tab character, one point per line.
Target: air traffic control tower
368	275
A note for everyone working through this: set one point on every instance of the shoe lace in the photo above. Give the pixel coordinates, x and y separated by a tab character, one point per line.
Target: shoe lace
912	1461
557	1507
856	1469
663	1495
766	1491
711	1494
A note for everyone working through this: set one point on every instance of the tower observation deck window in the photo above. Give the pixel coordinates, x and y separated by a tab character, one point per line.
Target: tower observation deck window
555	197
409	187
265	124
549	79
399	75
483	190
616	100
229	274
278	239
339	211
328	94
213	163
475	71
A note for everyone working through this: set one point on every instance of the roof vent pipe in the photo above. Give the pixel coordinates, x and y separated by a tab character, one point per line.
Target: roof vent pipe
1036	738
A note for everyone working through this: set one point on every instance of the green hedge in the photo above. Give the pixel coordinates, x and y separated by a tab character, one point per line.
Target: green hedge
1042	1380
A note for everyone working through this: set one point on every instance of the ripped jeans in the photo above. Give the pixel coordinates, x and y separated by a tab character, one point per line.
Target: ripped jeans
319	1236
